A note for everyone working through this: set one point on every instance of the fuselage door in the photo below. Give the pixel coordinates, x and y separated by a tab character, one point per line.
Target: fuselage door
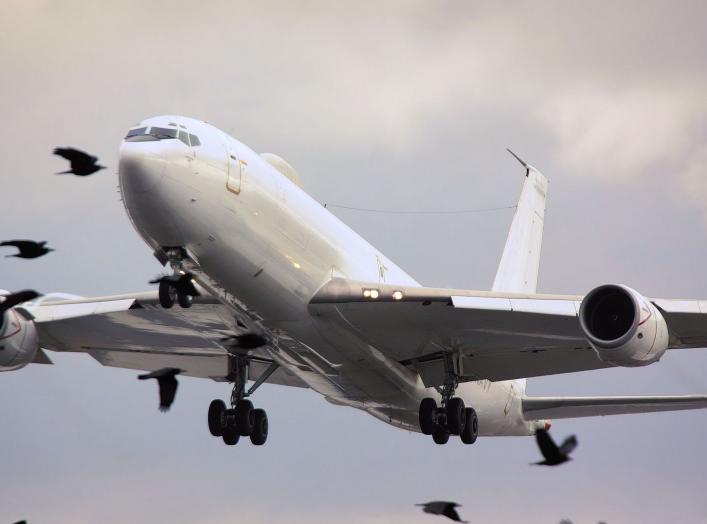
235	173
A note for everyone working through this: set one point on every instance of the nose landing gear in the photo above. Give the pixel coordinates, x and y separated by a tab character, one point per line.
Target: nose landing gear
179	288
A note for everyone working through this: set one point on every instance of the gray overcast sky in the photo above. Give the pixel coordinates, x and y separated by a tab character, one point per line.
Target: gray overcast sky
397	105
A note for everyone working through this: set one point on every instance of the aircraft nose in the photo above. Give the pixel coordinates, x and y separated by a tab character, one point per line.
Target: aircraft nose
140	169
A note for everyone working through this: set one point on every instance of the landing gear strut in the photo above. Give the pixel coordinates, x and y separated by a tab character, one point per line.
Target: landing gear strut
241	419
452	418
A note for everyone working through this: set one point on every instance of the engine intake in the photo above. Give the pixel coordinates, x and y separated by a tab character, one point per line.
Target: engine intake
623	327
19	341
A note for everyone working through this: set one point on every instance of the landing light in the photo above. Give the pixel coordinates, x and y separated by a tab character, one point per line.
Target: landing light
397	295
374	293
371	293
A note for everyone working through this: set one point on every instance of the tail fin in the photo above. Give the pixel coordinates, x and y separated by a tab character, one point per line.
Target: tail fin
520	262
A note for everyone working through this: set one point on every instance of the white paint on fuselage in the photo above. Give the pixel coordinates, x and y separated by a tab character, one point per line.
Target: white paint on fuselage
266	241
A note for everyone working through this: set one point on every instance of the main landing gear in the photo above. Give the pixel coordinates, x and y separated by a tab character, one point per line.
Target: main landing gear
241	419
452	418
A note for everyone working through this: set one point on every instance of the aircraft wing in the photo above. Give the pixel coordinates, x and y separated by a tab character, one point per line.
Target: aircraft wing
498	336
538	408
133	331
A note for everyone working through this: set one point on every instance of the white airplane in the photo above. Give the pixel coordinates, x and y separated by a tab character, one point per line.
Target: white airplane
274	288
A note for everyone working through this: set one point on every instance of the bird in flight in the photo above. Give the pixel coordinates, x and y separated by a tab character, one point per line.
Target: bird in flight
12	299
441	507
27	248
554	455
167	382
82	164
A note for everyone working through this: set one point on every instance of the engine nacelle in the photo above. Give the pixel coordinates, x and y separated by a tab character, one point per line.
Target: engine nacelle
19	341
623	327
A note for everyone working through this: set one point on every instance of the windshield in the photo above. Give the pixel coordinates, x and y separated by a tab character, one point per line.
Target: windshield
141	134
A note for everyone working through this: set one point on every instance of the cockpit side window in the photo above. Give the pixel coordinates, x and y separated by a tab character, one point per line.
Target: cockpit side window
136	132
194	140
183	136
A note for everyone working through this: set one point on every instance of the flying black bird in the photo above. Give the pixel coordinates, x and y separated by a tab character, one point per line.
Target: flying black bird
440	507
167	381
28	248
246	340
554	456
82	164
12	299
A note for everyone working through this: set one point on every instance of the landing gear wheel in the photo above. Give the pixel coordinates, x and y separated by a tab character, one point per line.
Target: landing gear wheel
455	415
428	408
471	428
230	435
440	435
216	411
259	434
185	300
168	294
244	417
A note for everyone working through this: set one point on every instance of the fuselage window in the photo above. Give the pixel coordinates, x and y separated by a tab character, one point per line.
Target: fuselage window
136	132
194	140
162	133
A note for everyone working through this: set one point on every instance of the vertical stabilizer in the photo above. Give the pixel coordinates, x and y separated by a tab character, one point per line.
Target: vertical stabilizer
520	262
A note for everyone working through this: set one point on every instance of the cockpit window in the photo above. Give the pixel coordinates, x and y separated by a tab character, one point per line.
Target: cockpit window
136	132
163	133
141	134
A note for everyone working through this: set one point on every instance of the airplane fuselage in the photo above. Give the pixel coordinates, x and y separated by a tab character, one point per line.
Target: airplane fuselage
253	233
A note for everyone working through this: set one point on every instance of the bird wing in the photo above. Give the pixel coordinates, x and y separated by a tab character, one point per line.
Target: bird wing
13	299
168	389
547	446
75	155
568	445
159	373
20	244
451	513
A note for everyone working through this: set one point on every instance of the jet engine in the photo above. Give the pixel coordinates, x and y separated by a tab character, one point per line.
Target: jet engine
18	339
623	327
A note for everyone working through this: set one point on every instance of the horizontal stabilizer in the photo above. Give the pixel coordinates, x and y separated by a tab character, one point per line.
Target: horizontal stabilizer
538	408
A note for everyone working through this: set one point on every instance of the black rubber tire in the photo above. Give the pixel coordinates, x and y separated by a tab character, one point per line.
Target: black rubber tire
184	299
230	435
428	409
471	428
216	409
244	417
260	427
440	435
168	294
455	415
